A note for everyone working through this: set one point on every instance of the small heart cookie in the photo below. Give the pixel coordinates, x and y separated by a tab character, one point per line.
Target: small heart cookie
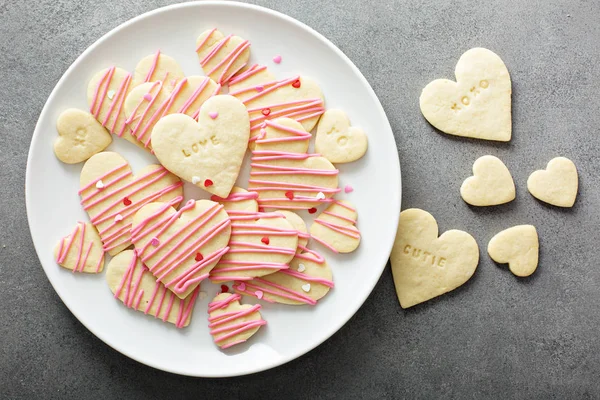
221	57
490	185
80	136
111	195
81	251
208	153
308	279
519	247
158	67
338	141
132	283
299	225
478	104
180	248
232	323
557	184
425	266
335	228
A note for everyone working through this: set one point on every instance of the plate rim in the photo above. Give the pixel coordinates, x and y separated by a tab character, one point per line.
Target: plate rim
395	176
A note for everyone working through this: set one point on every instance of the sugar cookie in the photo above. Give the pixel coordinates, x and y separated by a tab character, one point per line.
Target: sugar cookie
239	202
490	185
299	225
180	248
425	266
519	247
80	136
111	195
81	251
232	323
335	228
208	153
158	67
130	282
478	104
338	141
221	57
557	184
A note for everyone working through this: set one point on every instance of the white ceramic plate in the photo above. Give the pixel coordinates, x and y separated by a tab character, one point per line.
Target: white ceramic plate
53	204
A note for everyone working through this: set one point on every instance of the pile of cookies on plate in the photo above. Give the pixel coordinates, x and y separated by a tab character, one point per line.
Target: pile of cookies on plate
477	105
200	129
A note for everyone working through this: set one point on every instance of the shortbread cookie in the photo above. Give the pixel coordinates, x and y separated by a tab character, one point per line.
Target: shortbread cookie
308	279
221	57
158	67
335	228
208	153
490	185
299	225
557	184
284	175
338	141
519	247
180	248
132	283
239	202
81	251
478	104
232	323
425	266
80	136
111	195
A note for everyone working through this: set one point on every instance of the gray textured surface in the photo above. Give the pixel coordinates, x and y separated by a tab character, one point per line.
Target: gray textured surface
497	336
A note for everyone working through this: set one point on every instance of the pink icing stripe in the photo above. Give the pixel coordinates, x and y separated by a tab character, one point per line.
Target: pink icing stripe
182	282
169	307
93	183
254	69
240	196
228	317
325	244
193	97
271	89
117	99
152	297
346	206
152	67
106	78
215	50
276	290
215	305
185	315
290	170
308	278
100	262
303	103
247	247
134	130
351	220
63	255
87	253
235	54
80	246
344	230
292	186
219	322
315	257
203	42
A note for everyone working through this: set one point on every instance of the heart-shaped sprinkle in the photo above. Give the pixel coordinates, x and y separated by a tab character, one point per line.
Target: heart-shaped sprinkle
265	240
320	195
259	294
262	134
261	209
242	287
100	184
118	218
289	194
301	268
213	114
110	94
259	88
277	59
348	189
266	111
296	83
224	288
155	242
126	201
148	97
306	287
208	183
312	210
195	180
199	257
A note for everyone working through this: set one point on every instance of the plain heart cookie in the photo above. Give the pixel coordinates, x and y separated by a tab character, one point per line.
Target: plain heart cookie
180	248
335	228
208	153
519	247
425	266
81	251
80	136
557	184
132	283
111	195
232	323
478	104
221	57
337	141
490	185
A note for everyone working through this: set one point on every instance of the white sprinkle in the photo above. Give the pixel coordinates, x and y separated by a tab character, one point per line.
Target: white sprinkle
118	218
301	268
110	94
202	295
100	184
195	180
320	195
306	287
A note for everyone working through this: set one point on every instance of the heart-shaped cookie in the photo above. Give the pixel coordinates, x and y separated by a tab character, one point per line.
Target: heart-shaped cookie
308	279
335	228
478	104
519	247
221	57
208	153
232	323
132	283
111	195
557	184
180	248
490	185
158	67
80	136
425	266
81	251
338	141
284	175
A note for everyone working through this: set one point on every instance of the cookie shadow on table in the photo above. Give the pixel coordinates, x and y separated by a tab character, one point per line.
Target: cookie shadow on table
521	280
562	210
464	139
498	209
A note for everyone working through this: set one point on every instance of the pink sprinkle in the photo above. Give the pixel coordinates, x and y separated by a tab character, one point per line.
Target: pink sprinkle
277	59
213	114
348	189
241	287
118	218
173	82
259	88
259	294
154	242
148	97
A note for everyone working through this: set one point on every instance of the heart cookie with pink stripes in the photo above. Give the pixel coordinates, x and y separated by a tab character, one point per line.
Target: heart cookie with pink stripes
335	228
221	57
232	323
81	250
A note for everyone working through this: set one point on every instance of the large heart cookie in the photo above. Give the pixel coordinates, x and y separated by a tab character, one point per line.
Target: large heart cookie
338	141
335	228
221	57
80	136
557	184
158	67
132	283
111	195
208	153
519	247
491	183
81	251
232	323
425	266
180	248
478	104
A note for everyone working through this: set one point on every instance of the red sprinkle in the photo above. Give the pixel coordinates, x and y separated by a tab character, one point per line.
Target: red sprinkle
289	194
199	257
224	288
208	183
126	201
296	83
312	210
261	209
265	240
266	111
